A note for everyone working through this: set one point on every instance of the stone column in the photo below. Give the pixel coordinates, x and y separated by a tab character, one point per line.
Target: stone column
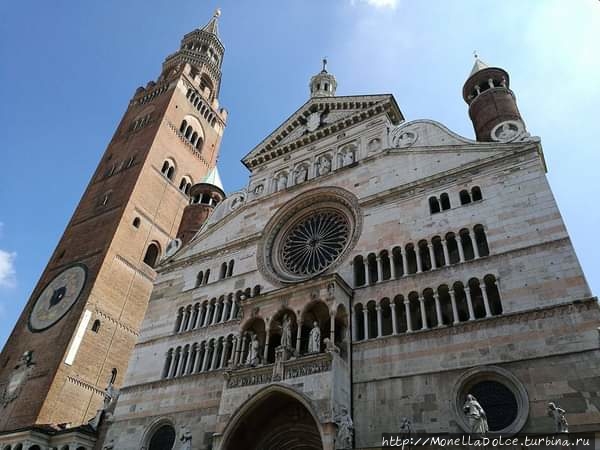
431	256
423	312
298	338
419	262
231	361
224	353
366	321
475	248
379	324
486	301
394	319
217	312
168	369
206	361
469	303
213	363
224	311
407	312
266	349
199	361
379	269
232	310
392	265
461	250
446	252
332	326
454	308
404	262
207	315
438	308
366	269
173	368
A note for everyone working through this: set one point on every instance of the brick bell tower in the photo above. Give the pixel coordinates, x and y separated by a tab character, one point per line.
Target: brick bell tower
78	329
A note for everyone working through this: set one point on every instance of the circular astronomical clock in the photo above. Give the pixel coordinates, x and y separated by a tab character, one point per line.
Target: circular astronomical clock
58	297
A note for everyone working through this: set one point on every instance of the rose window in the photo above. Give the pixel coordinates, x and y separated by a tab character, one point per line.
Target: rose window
310	235
314	242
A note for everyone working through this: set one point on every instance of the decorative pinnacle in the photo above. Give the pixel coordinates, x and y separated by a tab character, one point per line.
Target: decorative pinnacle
475	55
217	13
324	64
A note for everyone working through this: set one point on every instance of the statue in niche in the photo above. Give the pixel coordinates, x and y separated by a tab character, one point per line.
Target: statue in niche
258	189
282	182
330	346
323	166
301	174
252	359
286	331
186	439
345	430
109	445
349	156
314	339
558	415
476	416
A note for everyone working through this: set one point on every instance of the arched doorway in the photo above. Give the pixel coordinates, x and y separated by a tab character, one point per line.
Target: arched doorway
274	419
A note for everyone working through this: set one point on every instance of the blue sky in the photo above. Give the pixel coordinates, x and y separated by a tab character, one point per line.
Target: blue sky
69	69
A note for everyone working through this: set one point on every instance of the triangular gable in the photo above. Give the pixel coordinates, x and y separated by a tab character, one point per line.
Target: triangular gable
320	117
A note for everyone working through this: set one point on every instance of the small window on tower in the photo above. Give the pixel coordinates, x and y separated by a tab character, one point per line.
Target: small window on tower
152	254
136	222
96	326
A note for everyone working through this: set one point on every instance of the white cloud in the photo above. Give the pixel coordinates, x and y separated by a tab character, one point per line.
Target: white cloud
379	3
7	269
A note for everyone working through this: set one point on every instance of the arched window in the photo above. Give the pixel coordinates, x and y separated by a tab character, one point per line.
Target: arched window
194	138
199	143
206	85
493	294
465	198
168	169
230	268
445	201
372	267
199	279
96	326
359	271
481	240
476	193
163	438
152	254
467	244
434	205
411	259
206	276
223	272
136	222
424	256
183	126
188	132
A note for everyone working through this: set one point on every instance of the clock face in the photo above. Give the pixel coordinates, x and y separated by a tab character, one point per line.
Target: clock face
57	297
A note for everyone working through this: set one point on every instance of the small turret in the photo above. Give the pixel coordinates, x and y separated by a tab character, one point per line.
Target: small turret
204	197
323	84
492	105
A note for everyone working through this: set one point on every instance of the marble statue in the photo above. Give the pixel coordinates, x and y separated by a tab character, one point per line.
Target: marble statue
282	182
109	445
252	359
301	174
323	166
258	189
560	421
186	439
330	346
476	416
314	339
345	430
348	157
286	332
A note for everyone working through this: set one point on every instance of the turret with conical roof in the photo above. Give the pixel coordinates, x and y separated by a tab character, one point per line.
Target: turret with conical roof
323	84
491	103
204	197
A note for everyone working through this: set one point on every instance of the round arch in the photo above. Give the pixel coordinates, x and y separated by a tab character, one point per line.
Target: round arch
267	419
153	428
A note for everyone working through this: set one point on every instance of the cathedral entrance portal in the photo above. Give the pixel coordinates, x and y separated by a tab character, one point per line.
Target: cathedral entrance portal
273	421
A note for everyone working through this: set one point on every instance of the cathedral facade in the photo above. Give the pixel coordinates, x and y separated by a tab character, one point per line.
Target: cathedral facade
375	274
